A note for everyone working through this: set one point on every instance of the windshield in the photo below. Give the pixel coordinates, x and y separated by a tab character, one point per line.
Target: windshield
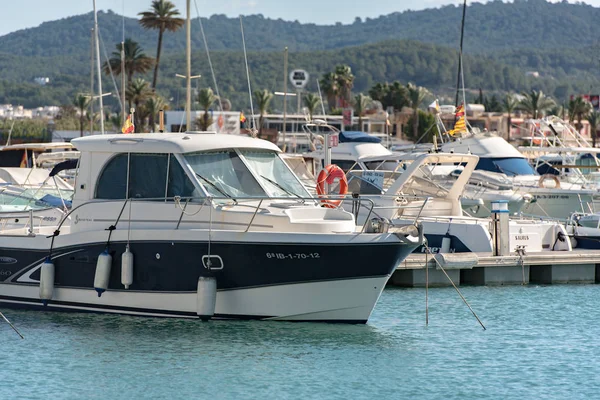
275	175
510	166
389	165
223	174
254	173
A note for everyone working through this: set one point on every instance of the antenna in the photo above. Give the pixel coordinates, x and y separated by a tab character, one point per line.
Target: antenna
247	73
98	70
188	77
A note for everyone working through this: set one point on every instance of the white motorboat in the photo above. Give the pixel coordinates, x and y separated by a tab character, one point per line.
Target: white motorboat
552	197
417	194
157	216
360	151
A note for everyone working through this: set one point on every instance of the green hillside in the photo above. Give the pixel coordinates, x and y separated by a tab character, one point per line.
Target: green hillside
407	61
502	42
489	27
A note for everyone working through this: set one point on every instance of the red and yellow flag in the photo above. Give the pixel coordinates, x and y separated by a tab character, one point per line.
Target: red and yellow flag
128	126
242	117
459	126
460	111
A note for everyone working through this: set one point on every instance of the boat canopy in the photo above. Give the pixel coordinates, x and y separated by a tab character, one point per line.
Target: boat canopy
358	137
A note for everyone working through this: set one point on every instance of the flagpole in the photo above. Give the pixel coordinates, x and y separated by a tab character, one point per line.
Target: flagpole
462	35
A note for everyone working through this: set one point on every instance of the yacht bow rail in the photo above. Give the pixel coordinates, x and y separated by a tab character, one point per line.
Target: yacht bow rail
255	202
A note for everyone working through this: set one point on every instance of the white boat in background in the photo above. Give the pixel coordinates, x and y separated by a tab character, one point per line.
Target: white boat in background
157	216
360	151
417	194
551	197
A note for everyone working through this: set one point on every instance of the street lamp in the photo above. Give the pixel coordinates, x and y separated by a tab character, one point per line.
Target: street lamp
188	112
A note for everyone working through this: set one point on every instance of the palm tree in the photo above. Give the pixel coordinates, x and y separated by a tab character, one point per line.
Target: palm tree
345	80
509	104
162	17
361	102
380	92
329	85
416	96
206	98
263	98
152	107
137	93
312	102
579	109
535	103
594	120
81	103
135	60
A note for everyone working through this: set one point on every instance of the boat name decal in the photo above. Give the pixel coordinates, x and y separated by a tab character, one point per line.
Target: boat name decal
435	250
78	220
293	256
521	237
7	260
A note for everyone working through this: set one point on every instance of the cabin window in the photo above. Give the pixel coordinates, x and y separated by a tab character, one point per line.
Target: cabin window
179	183
148	176
112	183
346	165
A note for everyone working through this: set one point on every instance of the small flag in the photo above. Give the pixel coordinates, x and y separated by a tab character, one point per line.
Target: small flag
128	126
459	126
460	111
435	105
242	117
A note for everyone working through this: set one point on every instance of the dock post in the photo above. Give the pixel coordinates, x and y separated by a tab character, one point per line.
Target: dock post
500	229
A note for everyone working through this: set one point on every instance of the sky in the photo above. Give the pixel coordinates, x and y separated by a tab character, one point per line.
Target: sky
23	14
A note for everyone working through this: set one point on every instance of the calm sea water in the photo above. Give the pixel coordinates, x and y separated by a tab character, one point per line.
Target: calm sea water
541	342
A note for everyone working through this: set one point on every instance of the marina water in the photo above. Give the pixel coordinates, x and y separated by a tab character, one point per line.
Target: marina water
541	342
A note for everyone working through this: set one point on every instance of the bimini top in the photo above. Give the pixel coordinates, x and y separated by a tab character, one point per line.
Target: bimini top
169	143
38	146
358	137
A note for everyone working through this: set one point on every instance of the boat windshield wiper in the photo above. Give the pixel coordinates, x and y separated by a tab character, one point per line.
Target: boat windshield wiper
280	187
214	186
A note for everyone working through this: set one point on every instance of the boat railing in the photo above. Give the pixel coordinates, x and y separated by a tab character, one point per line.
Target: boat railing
256	203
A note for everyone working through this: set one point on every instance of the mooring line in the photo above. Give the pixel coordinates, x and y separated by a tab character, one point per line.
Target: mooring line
11	325
455	287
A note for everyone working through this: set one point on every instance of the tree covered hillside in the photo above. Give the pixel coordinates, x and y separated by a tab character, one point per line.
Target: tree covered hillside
489	27
426	65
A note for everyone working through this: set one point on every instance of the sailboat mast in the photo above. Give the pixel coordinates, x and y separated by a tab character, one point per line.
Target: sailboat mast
285	74
98	71
462	35
92	82
188	74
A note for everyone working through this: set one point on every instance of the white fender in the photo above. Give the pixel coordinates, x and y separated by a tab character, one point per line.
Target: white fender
206	297
127	268
46	281
102	272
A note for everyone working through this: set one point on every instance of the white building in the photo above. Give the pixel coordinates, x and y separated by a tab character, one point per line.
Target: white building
223	121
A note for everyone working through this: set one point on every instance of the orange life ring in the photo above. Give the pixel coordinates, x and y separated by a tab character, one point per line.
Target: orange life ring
549	176
329	174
